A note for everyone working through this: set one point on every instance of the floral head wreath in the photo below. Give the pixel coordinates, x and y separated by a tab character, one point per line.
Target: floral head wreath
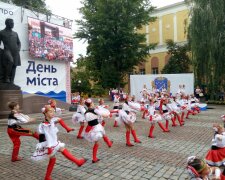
191	170
88	101
50	101
46	108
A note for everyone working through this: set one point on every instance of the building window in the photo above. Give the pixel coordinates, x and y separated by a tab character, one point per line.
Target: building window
142	71
155	70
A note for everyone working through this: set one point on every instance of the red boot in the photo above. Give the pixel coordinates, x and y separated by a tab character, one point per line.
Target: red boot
63	124
174	121
133	132
162	127
50	168
189	112
167	125
72	158
182	117
179	119
144	113
151	131
80	132
115	124
36	135
128	139
103	123
95	150
108	142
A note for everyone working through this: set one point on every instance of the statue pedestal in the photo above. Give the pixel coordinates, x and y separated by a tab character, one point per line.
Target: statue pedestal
8	96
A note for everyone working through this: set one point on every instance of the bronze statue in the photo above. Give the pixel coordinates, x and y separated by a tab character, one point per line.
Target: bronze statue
9	57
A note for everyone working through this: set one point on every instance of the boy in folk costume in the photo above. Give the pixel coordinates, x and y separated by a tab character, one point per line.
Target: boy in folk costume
78	117
198	169
49	144
154	117
128	117
58	112
95	131
14	130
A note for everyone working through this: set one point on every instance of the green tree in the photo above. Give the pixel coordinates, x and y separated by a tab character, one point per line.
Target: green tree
35	5
80	79
206	37
114	45
179	61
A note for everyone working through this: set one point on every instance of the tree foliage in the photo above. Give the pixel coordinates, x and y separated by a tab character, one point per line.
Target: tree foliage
114	45
35	5
207	41
179	61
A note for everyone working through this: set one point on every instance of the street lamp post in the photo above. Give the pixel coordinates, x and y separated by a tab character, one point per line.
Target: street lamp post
79	84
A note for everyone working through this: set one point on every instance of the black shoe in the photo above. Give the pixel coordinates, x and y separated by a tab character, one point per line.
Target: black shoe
129	145
95	161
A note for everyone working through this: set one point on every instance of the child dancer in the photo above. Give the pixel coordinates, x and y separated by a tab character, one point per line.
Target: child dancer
58	112
215	156
199	170
78	117
175	111
49	144
165	113
153	118
102	105
15	130
128	117
95	131
52	103
116	105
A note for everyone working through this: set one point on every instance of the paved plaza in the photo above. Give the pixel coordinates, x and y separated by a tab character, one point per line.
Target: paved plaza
161	158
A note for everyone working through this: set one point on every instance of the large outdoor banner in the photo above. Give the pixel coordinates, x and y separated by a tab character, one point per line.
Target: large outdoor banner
49	41
45	64
170	82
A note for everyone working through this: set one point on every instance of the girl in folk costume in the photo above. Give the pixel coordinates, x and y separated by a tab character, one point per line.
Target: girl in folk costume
154	117
182	103
58	112
165	112
78	117
102	106
189	108
194	103
14	130
52	103
215	156
95	131
198	169
116	105
127	115
49	144
175	111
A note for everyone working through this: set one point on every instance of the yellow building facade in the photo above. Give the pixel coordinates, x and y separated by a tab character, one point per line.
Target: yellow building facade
170	24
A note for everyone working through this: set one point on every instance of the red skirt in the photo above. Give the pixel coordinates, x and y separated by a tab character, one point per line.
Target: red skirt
216	157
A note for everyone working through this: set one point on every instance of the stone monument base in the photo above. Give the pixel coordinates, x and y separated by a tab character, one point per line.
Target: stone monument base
8	96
